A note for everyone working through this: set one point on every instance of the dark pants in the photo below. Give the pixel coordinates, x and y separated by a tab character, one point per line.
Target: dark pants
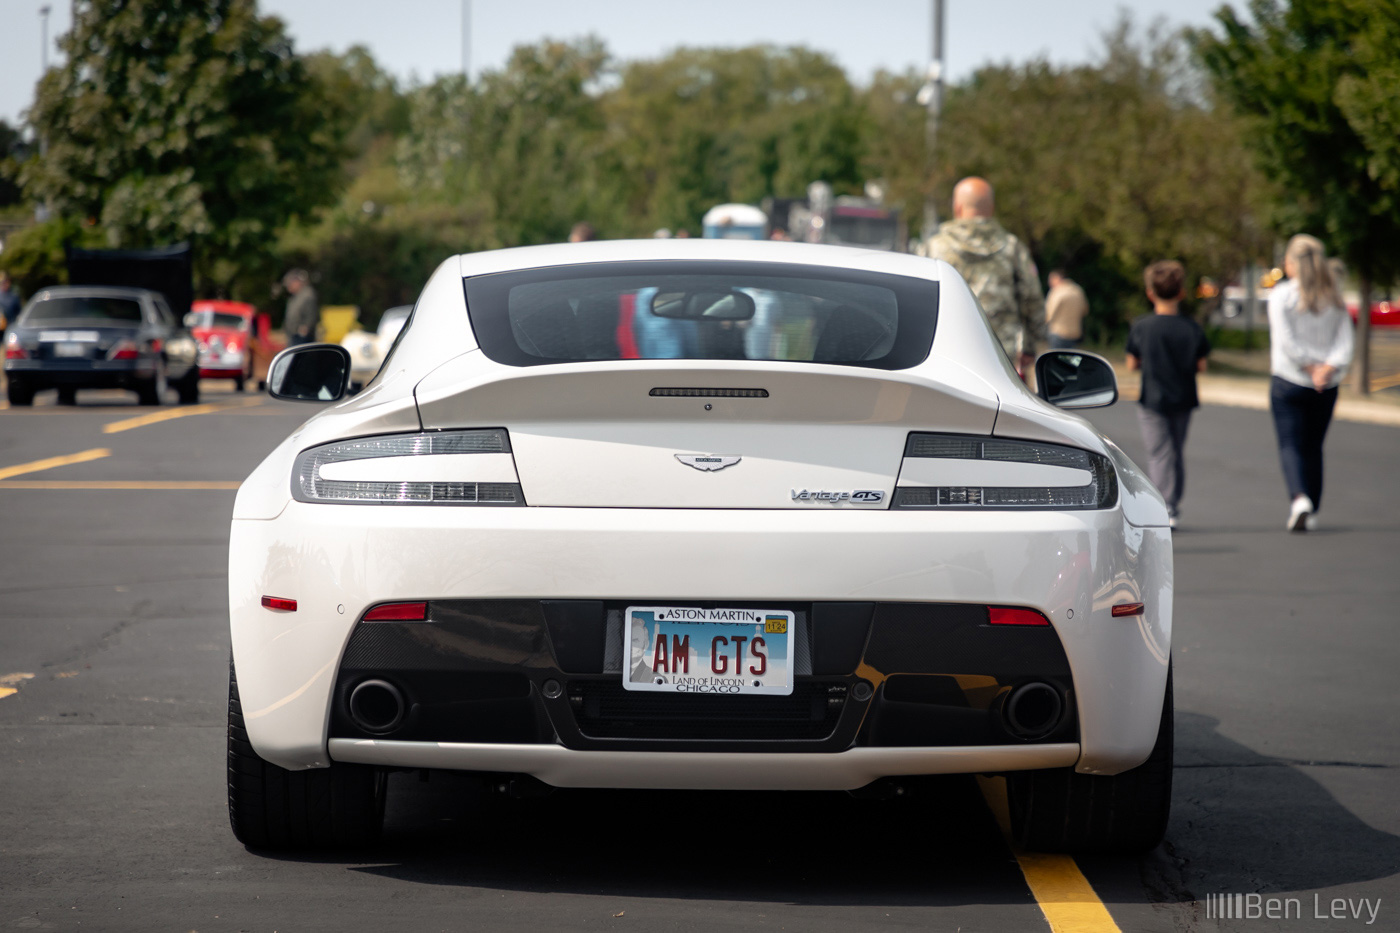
1164	434
1301	417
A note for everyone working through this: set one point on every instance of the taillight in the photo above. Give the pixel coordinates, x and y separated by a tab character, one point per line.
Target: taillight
13	349
233	346
1007	615
955	471
398	612
1128	609
123	350
431	468
280	603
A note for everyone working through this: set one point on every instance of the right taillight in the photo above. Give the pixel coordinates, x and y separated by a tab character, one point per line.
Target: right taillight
954	471
429	468
123	350
13	349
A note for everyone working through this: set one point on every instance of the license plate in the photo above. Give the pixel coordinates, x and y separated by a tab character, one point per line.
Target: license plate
680	649
70	349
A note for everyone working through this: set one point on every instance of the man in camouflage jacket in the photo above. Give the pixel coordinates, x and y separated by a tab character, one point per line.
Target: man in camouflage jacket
998	268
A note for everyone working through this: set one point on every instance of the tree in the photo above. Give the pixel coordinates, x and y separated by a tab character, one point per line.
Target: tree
184	120
1318	83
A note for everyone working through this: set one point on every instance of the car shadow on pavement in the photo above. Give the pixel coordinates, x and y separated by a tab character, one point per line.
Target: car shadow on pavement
825	849
1243	822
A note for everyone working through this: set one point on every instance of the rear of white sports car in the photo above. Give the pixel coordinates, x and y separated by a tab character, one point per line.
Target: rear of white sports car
754	516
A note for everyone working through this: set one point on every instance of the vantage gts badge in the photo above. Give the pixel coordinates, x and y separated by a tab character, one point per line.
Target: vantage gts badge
865	496
707	462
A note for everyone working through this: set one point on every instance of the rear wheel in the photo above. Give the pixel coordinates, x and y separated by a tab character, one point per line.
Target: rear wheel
19	394
273	808
152	391
1061	810
189	388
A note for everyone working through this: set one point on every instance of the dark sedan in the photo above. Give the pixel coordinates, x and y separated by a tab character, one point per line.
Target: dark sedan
88	337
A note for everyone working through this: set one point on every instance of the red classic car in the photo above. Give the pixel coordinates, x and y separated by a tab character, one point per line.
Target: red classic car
1384	313
233	340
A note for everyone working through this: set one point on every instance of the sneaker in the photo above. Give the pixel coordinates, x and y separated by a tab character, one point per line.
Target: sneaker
1299	513
1310	523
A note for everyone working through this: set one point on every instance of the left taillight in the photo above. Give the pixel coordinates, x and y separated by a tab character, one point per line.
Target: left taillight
472	467
14	350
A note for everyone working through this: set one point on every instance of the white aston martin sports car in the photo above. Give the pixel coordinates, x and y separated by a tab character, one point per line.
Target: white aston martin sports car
699	514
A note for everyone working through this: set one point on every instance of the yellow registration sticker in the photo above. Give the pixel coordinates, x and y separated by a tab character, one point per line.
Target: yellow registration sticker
775	625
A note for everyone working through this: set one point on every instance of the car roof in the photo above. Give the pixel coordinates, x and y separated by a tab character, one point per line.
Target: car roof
222	305
600	251
95	291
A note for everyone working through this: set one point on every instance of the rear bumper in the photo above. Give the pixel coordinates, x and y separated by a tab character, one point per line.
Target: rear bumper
562	767
338	560
93	374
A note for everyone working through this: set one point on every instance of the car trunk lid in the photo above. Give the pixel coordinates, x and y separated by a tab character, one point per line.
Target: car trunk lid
671	434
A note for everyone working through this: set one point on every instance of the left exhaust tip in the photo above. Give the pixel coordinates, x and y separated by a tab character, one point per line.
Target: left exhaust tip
377	706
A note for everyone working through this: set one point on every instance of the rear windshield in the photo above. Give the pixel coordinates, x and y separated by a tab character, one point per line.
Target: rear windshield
220	319
84	309
703	311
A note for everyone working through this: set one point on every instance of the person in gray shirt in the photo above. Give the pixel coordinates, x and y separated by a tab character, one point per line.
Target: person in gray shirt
303	308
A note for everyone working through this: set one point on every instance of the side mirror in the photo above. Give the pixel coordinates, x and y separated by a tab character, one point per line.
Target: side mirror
316	372
1072	379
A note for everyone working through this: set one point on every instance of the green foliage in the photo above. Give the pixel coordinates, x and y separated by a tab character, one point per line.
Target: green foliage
702	127
34	256
11	148
1319	86
184	120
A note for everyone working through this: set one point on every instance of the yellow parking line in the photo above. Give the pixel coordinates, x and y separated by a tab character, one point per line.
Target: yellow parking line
7	683
121	484
1388	382
1065	896
97	453
155	417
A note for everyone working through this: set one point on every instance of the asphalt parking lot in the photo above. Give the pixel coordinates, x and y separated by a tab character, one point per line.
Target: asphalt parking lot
113	678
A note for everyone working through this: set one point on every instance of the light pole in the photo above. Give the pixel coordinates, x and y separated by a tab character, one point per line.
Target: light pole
44	39
467	40
931	96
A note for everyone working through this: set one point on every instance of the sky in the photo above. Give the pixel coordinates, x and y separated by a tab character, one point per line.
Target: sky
420	39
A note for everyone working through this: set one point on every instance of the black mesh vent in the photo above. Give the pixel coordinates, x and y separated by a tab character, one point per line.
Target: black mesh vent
605	709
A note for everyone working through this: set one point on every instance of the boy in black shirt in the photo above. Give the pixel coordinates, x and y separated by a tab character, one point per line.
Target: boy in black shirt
1170	350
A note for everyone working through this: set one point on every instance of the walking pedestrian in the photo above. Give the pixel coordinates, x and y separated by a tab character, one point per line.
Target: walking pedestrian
303	308
997	267
9	302
1169	349
1065	309
1310	348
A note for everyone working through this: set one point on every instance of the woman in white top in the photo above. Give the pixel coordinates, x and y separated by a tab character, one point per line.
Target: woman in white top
1310	345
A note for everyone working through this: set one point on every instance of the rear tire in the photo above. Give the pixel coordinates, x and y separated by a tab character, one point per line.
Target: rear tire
273	808
1060	810
189	388
18	394
152	391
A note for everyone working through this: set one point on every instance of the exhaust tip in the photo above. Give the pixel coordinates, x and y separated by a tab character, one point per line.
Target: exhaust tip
377	706
1033	710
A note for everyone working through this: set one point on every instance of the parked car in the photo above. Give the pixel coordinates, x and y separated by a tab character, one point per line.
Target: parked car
822	553
1384	312
227	335
95	337
368	349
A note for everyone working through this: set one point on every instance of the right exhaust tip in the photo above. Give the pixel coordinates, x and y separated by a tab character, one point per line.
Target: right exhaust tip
1033	710
377	706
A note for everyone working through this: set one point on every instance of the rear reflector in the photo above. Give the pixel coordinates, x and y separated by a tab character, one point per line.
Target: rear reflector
1128	609
664	392
1003	615
279	603
398	612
